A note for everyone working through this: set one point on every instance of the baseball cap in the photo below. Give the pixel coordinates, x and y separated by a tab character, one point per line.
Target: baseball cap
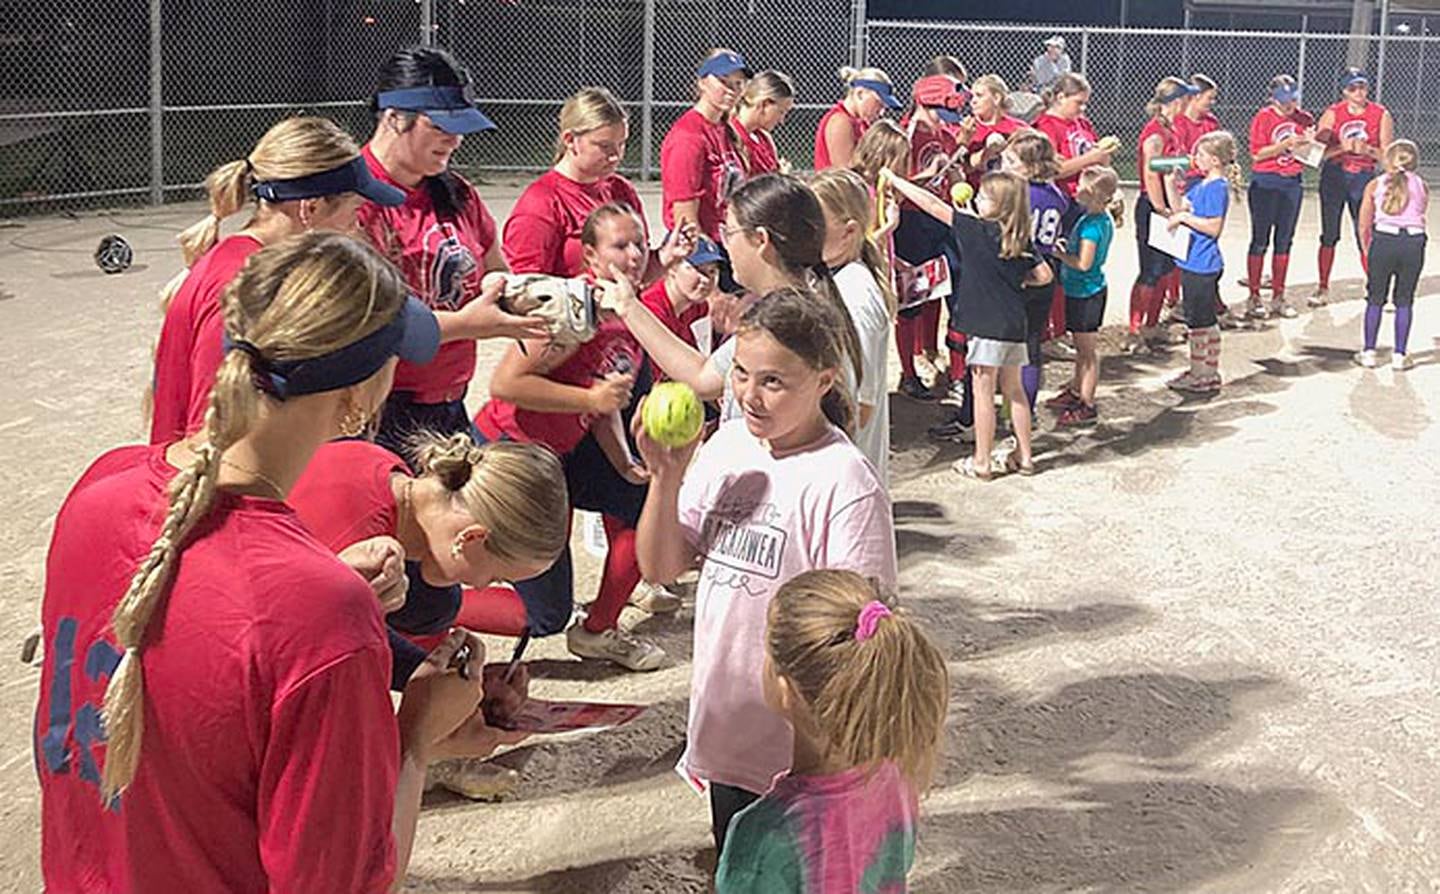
705	252
353	176
1055	41
1352	76
452	109
413	336
723	64
945	95
885	91
1285	93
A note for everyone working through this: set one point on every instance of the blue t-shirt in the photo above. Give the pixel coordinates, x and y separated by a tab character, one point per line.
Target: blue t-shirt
1099	229
1209	198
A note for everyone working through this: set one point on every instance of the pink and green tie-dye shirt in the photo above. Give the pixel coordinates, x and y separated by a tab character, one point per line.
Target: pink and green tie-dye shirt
850	831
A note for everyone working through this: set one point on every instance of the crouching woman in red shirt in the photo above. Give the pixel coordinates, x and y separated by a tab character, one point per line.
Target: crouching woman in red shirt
214	712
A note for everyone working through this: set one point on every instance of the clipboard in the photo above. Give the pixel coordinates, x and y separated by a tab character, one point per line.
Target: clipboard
1175	244
1311	154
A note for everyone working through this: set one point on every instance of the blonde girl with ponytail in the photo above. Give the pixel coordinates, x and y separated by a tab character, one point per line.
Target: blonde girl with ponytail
869	92
1392	233
214	710
304	174
767	99
862	274
866	693
778	492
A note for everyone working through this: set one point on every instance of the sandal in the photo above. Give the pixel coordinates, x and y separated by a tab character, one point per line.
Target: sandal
966	468
1013	464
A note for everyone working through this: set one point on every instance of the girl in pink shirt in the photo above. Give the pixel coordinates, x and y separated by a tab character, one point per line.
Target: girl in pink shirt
777	492
865	691
1392	232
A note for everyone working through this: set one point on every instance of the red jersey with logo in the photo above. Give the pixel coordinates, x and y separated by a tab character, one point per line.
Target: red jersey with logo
542	234
697	161
1005	125
612	350
760	156
345	495
657	298
189	350
1190	131
1072	139
1350	126
1271	126
927	145
858	126
443	261
1172	142
270	750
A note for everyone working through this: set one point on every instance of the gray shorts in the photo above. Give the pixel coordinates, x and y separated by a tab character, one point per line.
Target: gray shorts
993	352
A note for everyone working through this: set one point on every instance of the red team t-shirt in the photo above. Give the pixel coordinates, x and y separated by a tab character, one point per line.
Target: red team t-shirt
1172	144
1190	131
1072	139
345	495
613	349
270	750
443	262
189	349
925	146
760	147
657	297
1270	126
697	161
1005	125
1364	126
858	126
542	234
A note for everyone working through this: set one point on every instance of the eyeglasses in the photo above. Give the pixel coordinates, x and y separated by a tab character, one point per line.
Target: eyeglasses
727	231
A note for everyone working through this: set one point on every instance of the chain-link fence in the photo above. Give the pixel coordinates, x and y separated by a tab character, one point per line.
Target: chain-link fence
136	100
1123	66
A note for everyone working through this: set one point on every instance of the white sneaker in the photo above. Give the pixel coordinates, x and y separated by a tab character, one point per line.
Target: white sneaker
1400	362
1255	309
630	652
655	599
1281	309
1365	359
1058	349
472	778
1320	298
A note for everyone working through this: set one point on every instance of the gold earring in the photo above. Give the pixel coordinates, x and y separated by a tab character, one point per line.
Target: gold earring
353	422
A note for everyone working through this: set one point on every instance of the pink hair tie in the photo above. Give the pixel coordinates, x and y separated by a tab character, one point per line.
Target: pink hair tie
869	619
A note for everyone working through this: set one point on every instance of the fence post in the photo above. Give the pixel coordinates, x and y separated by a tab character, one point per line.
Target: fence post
427	23
157	111
1085	52
647	91
1300	62
1185	42
859	43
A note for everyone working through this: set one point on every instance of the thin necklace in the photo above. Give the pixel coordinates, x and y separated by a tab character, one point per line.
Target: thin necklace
266	479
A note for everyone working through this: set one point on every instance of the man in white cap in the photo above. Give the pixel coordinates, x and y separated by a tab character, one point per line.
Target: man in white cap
1050	65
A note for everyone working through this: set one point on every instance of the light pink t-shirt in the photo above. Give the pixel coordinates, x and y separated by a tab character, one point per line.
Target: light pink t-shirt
758	521
1412	215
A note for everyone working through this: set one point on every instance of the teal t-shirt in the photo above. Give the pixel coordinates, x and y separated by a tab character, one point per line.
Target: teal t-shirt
1096	228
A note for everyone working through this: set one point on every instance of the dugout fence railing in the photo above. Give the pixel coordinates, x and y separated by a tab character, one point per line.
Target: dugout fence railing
134	101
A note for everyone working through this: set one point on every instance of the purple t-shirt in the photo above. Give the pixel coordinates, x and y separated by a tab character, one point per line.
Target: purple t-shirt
1047	209
759	520
849	831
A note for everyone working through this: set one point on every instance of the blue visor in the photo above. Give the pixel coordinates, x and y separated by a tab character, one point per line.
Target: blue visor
413	336
1351	78
886	92
452	109
949	116
1180	93
1285	94
705	252
353	176
723	65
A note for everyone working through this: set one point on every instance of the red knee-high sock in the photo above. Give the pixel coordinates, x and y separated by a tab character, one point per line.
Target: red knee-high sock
929	329
1327	262
1172	288
618	581
956	343
1153	306
1279	266
1365	261
1254	265
497	610
1139	301
1055	325
905	344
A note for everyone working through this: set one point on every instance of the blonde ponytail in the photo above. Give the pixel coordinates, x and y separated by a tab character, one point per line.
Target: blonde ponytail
517	492
1404	157
843	193
228	187
876	687
303	297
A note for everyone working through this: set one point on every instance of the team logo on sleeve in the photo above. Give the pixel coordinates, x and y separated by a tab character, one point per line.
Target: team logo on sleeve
1282	132
1354	130
448	264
